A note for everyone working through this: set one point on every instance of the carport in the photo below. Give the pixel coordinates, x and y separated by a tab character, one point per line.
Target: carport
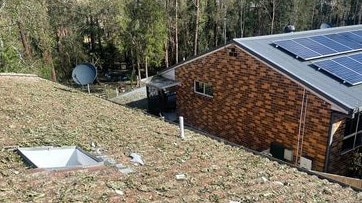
161	94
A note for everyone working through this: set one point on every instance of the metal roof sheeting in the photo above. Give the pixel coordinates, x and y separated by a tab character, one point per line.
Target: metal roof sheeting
160	82
345	96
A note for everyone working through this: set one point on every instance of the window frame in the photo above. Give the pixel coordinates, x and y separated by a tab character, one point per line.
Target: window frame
206	87
353	130
232	52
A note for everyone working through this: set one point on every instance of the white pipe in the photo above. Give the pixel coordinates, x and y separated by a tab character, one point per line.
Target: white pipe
88	88
300	128
303	128
182	130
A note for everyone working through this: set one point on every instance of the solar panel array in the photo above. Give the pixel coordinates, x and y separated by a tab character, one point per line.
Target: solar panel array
346	68
320	46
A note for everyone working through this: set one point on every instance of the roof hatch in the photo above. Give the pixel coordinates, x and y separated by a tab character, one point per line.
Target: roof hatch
58	157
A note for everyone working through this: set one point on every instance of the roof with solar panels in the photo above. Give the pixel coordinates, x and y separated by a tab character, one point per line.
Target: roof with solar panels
325	61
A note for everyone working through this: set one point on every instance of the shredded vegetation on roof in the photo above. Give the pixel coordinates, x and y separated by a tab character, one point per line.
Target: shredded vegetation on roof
37	112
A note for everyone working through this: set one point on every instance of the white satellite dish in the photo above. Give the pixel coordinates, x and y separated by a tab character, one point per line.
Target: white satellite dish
325	26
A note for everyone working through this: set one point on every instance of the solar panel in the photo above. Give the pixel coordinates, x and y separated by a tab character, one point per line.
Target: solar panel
357	32
350	63
320	46
354	36
297	49
340	71
331	44
316	47
346	68
345	41
357	57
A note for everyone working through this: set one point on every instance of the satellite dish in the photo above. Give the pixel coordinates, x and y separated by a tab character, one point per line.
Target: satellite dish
289	28
84	74
325	25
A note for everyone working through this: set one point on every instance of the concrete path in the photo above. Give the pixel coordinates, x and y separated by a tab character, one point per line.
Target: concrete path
136	98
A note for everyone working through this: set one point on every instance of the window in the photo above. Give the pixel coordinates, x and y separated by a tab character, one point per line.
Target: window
232	52
353	133
203	88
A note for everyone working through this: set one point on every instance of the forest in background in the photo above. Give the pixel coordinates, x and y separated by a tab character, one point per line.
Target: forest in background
50	37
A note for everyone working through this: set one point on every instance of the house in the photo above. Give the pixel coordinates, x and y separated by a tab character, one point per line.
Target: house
297	95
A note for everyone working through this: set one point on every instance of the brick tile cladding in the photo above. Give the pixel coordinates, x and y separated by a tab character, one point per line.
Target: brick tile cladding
253	105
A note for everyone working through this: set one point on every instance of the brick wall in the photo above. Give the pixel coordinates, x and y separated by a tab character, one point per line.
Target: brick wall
253	105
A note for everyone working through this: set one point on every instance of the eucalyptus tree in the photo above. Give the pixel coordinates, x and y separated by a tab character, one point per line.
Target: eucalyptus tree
234	19
25	37
218	16
176	30
303	14
197	19
355	11
171	43
9	45
67	31
36	35
145	32
10	48
85	33
272	15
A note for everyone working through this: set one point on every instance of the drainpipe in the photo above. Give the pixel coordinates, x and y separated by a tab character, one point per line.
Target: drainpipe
355	136
301	130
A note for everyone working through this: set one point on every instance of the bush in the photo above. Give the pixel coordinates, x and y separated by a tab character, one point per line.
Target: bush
356	164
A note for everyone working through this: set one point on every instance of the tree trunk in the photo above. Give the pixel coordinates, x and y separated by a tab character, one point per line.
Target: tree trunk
176	31
241	18
312	19
216	30
359	14
273	18
133	73
48	60
24	41
166	54
146	66
60	53
197	5
99	39
294	18
92	34
54	75
139	73
169	37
